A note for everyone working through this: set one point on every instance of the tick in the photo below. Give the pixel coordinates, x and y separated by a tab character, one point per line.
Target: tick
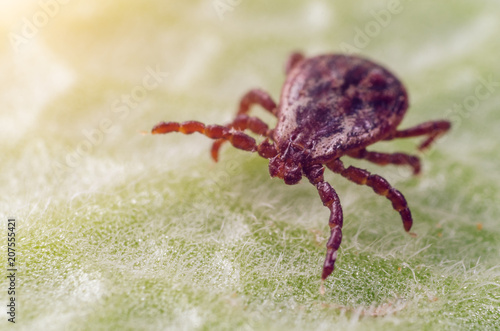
331	106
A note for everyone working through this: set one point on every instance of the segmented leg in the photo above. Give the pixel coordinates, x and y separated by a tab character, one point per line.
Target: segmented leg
241	123
385	158
331	200
236	138
432	129
379	186
252	97
293	60
257	97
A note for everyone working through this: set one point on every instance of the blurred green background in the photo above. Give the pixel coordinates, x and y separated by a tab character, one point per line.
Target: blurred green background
119	230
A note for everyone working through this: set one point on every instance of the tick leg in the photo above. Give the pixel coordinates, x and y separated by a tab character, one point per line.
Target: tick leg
432	129
241	123
252	97
384	158
257	97
379	186
293	60
238	139
331	200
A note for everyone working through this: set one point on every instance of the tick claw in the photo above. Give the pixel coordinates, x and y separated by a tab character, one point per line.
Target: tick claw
322	287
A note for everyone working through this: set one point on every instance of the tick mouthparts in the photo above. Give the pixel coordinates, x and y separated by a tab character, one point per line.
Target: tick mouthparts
277	167
287	170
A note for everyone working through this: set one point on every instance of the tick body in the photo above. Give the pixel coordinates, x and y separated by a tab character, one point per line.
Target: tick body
331	106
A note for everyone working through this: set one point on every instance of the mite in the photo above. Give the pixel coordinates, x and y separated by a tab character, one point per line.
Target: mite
331	106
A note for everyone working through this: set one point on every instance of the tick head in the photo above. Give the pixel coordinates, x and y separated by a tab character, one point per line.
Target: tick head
288	164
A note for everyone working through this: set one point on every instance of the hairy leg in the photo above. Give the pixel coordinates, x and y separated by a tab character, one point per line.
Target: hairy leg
238	139
432	130
252	97
331	200
379	186
385	158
